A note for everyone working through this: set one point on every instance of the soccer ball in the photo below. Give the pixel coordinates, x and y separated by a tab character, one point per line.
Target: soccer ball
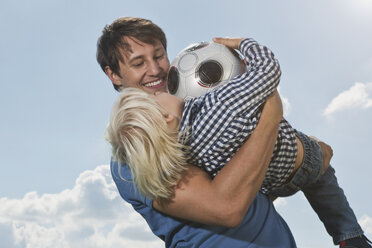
201	68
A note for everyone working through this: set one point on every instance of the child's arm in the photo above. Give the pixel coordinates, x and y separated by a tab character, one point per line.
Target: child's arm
248	91
225	199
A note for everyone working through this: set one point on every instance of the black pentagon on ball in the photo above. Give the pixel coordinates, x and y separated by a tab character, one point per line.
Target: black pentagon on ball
209	73
173	80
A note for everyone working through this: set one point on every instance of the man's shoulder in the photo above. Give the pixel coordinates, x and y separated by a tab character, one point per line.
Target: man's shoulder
127	188
122	177
120	171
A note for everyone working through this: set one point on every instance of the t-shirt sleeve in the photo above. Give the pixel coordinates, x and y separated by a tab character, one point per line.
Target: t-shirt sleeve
128	190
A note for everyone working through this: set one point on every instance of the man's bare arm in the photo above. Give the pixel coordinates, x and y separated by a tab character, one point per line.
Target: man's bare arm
226	199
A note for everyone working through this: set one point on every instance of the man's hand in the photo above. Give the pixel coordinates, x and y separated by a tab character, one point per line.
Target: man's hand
232	43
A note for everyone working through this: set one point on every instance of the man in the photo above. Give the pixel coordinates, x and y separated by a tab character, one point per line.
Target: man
137	57
132	52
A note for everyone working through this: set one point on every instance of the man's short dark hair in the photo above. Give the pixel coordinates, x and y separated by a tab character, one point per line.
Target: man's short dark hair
112	40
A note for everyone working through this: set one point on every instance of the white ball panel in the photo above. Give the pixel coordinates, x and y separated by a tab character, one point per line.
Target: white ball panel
189	61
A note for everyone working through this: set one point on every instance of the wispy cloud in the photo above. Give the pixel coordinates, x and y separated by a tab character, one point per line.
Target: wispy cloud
357	97
286	105
366	223
90	215
280	202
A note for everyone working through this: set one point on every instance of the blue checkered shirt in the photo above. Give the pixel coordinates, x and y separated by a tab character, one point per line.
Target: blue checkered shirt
219	122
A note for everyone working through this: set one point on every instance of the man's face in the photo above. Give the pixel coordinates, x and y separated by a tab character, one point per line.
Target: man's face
146	67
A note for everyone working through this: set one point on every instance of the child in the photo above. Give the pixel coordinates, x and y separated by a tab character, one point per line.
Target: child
156	134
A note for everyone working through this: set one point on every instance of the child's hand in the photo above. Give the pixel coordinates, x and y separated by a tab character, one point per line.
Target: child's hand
229	42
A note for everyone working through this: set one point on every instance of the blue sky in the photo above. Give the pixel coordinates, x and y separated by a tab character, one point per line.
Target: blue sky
55	102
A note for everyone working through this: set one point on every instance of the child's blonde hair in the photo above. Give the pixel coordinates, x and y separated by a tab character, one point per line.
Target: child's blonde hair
140	137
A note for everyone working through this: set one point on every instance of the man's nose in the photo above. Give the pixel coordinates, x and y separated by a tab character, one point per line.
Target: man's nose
154	68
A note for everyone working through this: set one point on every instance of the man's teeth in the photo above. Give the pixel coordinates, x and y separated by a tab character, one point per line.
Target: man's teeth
153	83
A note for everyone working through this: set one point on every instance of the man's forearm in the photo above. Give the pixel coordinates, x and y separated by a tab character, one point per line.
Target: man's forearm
242	177
226	199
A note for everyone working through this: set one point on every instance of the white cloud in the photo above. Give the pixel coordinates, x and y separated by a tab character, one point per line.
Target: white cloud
280	202
286	105
357	97
366	222
90	215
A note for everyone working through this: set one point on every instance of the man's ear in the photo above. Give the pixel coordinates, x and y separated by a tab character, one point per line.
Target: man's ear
115	78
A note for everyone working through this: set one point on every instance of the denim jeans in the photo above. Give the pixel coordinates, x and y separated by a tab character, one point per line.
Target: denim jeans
323	193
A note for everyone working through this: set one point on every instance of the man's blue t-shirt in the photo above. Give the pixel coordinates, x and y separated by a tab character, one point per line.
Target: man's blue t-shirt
262	225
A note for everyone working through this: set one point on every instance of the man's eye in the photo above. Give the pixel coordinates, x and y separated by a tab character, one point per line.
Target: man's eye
138	64
159	56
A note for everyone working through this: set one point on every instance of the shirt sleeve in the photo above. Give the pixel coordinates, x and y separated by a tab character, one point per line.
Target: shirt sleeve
246	92
128	190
